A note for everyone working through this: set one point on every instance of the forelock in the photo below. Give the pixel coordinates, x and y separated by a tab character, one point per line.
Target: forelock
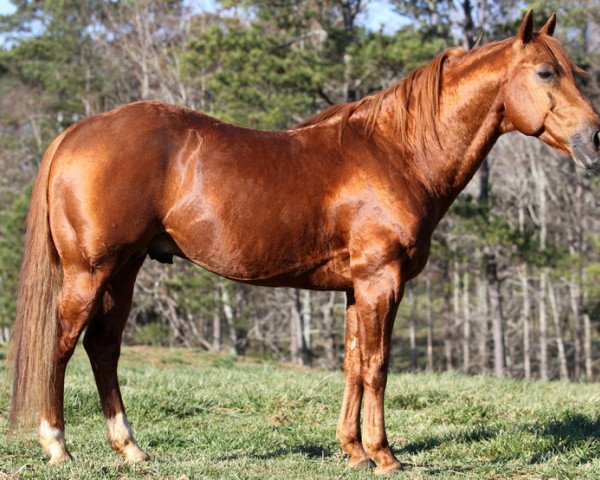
555	52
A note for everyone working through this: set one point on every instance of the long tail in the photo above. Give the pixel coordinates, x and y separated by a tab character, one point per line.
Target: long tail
33	351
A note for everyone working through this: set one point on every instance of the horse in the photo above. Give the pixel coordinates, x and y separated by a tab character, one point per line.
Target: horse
346	201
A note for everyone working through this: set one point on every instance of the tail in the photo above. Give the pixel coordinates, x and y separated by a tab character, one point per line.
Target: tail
33	350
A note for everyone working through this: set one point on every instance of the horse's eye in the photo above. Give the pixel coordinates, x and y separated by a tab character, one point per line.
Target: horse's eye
545	74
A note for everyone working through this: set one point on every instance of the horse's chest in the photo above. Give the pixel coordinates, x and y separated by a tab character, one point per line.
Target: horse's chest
417	258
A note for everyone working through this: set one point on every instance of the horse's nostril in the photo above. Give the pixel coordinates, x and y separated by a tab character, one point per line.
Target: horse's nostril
596	140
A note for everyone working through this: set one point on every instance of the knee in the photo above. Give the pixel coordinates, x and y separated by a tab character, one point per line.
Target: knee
99	346
375	373
346	435
372	446
352	370
90	340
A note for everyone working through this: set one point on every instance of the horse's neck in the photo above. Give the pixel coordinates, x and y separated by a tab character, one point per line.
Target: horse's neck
468	125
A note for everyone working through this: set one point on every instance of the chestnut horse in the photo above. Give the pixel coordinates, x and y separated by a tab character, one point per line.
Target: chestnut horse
347	201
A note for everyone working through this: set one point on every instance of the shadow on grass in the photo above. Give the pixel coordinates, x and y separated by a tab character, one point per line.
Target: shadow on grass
570	434
311	451
567	435
574	427
475	435
573	433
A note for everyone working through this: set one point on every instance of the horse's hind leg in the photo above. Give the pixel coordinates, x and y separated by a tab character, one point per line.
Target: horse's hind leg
79	296
102	343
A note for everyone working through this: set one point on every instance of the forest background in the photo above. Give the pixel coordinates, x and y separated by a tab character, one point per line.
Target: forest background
513	283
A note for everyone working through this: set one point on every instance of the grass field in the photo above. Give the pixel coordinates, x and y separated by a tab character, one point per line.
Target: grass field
206	416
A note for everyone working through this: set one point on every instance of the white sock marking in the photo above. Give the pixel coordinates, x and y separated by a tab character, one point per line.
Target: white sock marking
121	438
53	441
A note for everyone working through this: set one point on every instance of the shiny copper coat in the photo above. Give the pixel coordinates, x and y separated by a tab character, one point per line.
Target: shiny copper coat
348	201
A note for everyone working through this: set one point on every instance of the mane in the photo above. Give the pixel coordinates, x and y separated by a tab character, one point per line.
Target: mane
419	90
416	96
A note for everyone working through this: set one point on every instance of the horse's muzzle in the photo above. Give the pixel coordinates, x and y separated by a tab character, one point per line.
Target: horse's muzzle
586	147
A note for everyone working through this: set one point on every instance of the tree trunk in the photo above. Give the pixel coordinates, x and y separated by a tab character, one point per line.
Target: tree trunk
562	359
576	245
482	296
587	328
448	335
429	326
145	78
509	346
216	324
298	330
229	317
540	183
456	300
295	335
526	323
348	91
412	329
575	299
329	332
498	329
543	327
466	323
497	315
468	25
306	318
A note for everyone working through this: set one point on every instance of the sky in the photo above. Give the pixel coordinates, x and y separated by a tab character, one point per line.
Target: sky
379	13
6	7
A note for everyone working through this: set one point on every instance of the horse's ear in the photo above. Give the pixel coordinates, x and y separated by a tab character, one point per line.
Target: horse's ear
548	29
526	30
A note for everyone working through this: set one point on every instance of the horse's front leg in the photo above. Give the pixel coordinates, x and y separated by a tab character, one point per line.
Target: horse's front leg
348	431
378	295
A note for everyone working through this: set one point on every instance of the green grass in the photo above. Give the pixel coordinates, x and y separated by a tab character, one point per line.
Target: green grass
206	416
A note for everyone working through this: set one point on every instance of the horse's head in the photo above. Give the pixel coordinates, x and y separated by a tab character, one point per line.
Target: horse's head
542	98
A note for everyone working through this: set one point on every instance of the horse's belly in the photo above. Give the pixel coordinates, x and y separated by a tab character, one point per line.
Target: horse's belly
262	254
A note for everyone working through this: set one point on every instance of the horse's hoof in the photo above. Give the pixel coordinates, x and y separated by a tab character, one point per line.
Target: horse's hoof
134	454
61	457
385	470
360	463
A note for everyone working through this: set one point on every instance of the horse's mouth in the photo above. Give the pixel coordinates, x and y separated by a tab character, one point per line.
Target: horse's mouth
585	148
585	161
